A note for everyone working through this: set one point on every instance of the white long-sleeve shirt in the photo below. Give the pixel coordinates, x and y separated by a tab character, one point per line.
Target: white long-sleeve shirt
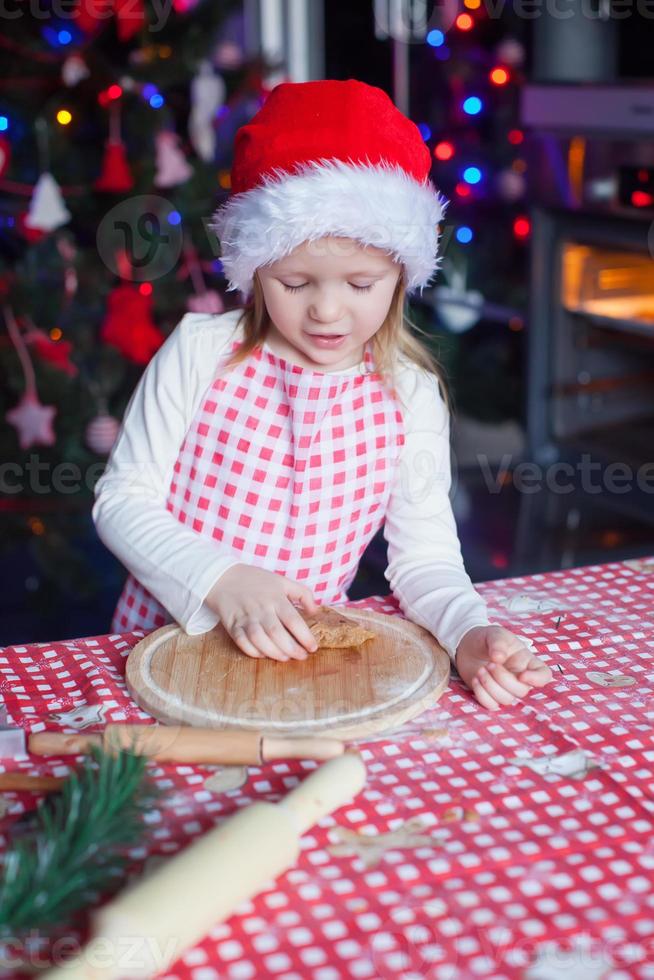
179	567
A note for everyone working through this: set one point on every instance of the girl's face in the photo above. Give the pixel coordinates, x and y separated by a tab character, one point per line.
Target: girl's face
331	287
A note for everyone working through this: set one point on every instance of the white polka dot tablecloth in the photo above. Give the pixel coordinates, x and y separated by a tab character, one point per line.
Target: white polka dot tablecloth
509	844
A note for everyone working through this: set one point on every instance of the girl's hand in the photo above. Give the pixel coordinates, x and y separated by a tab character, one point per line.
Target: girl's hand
498	666
255	608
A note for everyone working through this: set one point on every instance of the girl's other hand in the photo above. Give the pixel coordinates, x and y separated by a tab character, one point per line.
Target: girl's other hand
256	608
498	667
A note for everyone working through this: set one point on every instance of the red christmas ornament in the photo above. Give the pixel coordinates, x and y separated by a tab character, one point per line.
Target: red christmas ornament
128	325
130	18
123	265
91	14
5	155
32	235
116	176
56	353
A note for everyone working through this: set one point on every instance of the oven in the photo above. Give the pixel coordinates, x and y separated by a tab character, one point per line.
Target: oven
590	379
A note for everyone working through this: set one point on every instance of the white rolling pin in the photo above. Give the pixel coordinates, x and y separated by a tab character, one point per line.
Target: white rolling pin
145	928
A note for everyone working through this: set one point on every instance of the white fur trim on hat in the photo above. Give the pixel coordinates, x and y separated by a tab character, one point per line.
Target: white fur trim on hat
376	204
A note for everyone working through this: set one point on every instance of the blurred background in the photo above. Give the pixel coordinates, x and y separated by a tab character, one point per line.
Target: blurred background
117	122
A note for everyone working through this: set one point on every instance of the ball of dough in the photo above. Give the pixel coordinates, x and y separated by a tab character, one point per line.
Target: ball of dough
331	629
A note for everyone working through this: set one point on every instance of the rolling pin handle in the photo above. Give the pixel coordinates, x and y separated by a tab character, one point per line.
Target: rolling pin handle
310	747
58	743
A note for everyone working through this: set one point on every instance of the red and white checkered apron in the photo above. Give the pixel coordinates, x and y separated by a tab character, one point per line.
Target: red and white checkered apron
287	468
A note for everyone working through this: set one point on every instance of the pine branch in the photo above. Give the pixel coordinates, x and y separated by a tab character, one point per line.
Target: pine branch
75	848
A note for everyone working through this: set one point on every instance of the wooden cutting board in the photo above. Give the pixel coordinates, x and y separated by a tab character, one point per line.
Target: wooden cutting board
350	693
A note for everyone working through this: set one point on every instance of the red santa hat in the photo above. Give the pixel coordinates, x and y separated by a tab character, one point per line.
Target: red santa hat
329	158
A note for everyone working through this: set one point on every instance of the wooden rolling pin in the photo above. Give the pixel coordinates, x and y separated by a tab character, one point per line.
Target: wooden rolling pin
183	743
142	931
20	782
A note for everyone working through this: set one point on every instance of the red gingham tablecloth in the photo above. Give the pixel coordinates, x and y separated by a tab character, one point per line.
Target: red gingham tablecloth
506	844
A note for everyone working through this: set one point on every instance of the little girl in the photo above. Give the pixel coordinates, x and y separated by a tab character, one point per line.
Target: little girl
263	448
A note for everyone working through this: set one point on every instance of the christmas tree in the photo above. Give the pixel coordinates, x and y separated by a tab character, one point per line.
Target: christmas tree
116	132
466	80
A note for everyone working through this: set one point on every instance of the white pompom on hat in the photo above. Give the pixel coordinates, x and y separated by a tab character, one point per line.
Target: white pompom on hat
329	158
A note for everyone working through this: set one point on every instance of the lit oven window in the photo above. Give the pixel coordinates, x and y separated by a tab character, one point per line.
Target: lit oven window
614	288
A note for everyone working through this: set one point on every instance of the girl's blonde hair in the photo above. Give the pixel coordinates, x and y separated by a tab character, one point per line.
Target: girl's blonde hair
393	338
